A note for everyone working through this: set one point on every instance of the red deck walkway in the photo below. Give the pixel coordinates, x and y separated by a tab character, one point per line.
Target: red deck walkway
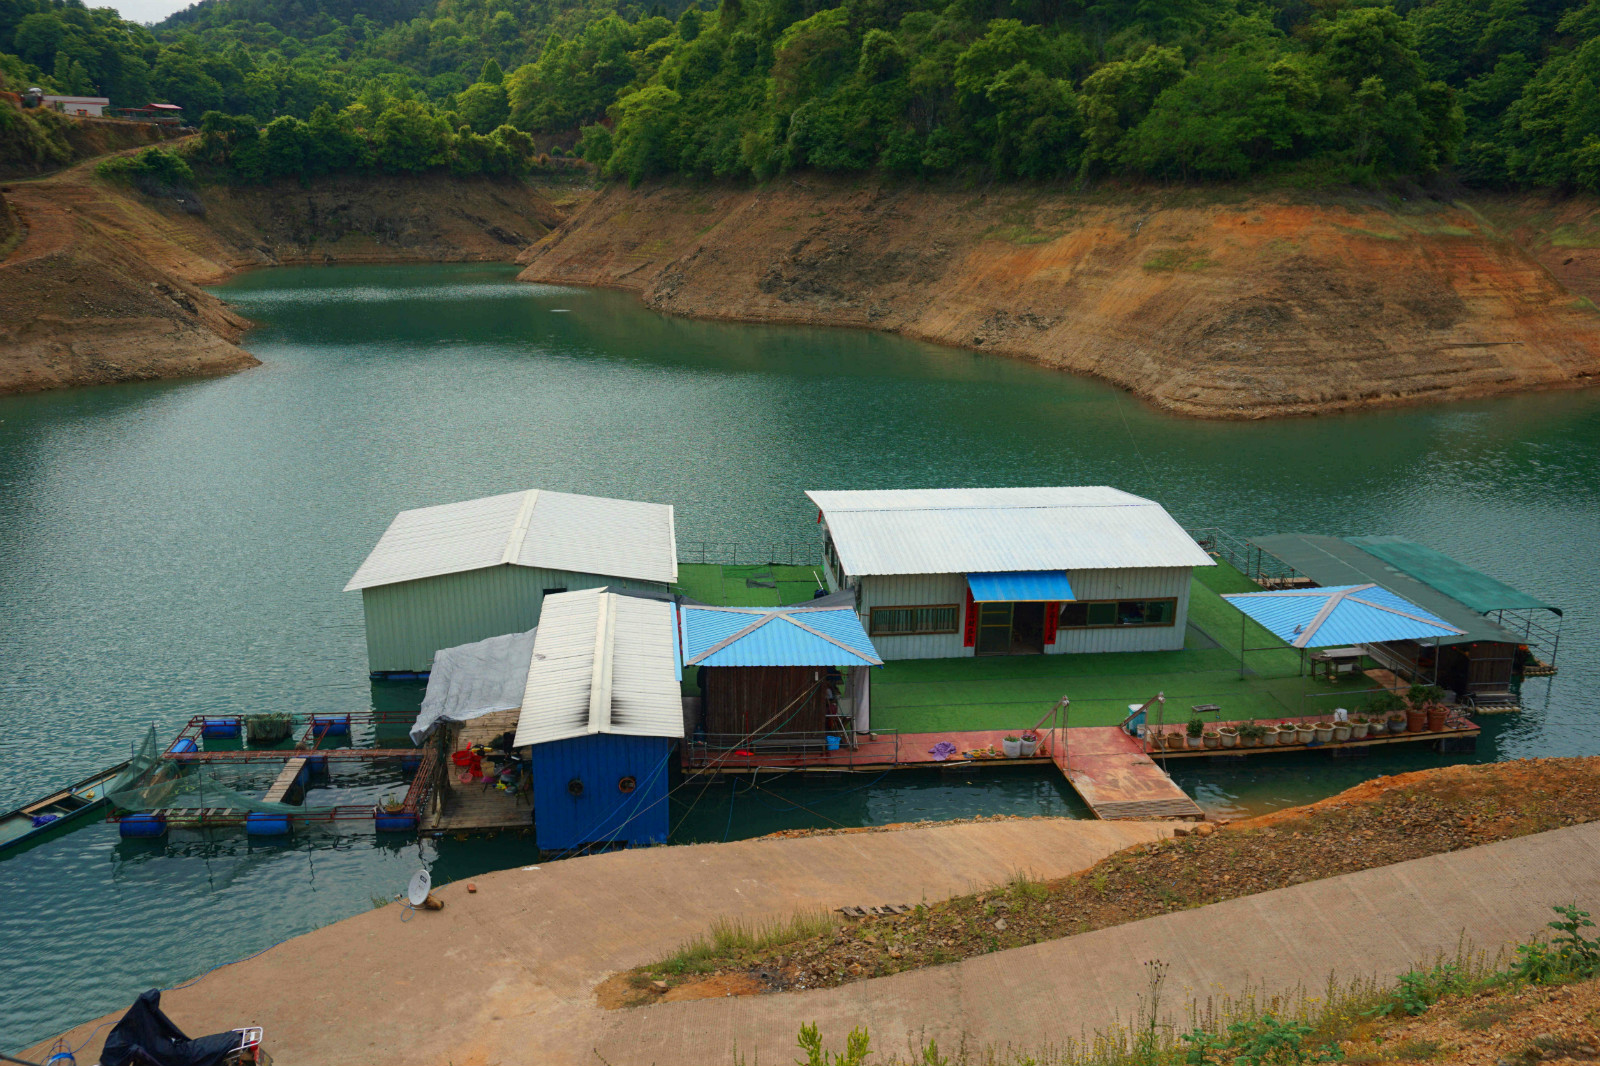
1103	764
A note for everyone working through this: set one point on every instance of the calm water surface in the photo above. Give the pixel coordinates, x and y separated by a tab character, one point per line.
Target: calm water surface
172	549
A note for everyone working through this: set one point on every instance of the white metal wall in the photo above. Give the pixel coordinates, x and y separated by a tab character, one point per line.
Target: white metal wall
915	590
1141	584
931	589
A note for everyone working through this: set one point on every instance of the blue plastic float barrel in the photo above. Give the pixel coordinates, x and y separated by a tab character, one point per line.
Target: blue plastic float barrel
142	826
330	725
267	825
315	764
184	744
221	728
394	823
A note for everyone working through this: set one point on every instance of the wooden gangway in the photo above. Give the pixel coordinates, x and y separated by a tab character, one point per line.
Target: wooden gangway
1115	777
285	782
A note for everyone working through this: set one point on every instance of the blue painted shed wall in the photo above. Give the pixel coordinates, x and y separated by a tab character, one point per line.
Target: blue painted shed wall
602	813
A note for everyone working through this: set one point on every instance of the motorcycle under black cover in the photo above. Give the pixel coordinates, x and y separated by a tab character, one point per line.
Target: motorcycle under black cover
147	1037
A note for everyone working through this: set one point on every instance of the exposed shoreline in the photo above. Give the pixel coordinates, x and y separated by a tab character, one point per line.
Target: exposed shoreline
104	284
1202	305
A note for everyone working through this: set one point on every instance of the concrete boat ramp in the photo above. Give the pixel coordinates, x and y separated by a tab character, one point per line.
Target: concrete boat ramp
507	975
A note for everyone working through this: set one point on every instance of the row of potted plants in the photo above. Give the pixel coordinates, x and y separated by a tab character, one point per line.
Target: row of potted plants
1021	746
1303	731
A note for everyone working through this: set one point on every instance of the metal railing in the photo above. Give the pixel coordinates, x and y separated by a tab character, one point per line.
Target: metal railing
730	553
1265	570
797	750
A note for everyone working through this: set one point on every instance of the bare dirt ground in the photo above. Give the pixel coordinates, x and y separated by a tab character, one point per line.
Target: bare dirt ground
1378	823
1507	1026
1205	303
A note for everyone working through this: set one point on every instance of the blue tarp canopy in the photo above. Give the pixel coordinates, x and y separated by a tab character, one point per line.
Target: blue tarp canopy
1021	586
1339	616
803	635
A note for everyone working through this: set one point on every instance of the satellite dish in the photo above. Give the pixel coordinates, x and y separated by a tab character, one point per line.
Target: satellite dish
421	885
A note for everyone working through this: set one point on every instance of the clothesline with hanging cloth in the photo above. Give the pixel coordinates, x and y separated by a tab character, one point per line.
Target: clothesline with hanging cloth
1339	616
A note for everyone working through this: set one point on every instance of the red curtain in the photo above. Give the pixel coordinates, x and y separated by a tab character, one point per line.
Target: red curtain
970	639
1052	615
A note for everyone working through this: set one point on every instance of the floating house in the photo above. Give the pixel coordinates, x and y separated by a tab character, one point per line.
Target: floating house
462	572
1498	629
778	677
601	715
82	106
946	573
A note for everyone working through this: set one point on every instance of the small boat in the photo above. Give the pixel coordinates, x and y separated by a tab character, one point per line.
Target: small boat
33	822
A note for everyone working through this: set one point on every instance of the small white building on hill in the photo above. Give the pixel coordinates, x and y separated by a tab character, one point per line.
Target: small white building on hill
946	573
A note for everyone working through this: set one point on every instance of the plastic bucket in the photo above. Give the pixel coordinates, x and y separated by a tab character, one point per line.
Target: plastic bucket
833	743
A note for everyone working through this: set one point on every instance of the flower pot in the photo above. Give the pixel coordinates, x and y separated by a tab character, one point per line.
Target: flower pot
1288	734
1029	746
1229	738
1358	730
1249	742
1211	740
1416	721
1012	748
1397	724
1341	732
1438	718
1193	742
1307	732
1324	732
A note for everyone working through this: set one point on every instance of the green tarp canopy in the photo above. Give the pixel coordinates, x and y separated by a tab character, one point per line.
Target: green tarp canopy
1334	561
1461	583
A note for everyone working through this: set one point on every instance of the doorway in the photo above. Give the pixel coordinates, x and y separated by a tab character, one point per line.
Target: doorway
1010	629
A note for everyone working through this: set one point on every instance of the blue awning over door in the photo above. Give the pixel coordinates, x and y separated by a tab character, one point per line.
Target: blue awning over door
1020	586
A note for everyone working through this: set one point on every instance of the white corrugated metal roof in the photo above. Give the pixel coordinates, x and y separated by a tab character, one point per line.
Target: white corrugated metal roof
548	530
958	531
602	663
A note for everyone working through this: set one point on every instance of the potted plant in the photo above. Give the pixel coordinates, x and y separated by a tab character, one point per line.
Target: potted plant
1358	728
1323	731
1030	743
1174	739
1251	736
1397	722
1194	729
1341	732
1288	733
1307	731
1012	746
1438	717
1212	738
1229	736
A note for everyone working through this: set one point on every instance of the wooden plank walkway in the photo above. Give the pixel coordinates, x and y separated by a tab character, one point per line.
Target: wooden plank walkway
880	752
279	792
1110	770
467	805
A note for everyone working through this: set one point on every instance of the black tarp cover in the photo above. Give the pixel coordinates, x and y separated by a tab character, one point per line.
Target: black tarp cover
147	1037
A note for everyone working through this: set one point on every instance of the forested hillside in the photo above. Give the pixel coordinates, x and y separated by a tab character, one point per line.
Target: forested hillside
1500	92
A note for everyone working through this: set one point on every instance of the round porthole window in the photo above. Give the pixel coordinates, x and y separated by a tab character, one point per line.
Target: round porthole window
575	787
627	785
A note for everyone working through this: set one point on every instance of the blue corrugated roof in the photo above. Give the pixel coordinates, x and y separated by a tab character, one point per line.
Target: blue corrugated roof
1021	586
777	636
1340	615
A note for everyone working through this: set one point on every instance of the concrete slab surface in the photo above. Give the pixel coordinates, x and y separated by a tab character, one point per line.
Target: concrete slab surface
507	975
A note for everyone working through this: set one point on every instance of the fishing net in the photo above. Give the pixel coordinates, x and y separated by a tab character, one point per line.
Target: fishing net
152	783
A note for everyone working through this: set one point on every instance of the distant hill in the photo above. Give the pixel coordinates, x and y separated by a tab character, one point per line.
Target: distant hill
296	18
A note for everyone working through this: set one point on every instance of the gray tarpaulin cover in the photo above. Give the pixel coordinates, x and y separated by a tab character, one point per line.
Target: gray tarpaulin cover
475	679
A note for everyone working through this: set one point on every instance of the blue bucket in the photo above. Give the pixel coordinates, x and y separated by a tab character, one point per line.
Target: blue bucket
142	826
267	825
221	728
833	743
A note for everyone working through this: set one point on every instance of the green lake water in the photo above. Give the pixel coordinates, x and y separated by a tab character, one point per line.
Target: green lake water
171	549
